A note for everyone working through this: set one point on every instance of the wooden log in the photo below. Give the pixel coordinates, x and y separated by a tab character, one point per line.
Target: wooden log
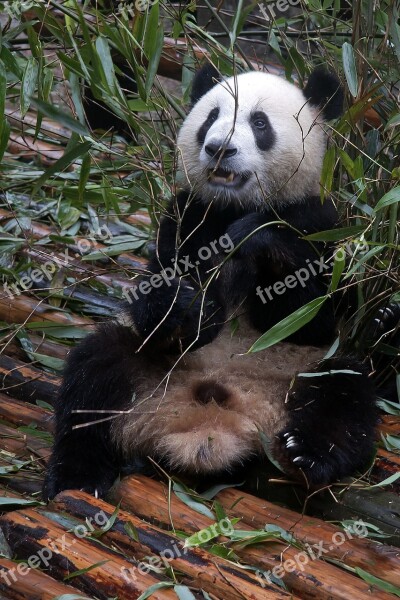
22	444
30	533
373	505
20	413
214	575
25	382
390	424
32	585
39	230
379	559
48	126
386	464
24	309
149	500
82	271
28	147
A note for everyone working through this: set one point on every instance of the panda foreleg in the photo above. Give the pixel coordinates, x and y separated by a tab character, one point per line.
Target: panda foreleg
99	377
331	421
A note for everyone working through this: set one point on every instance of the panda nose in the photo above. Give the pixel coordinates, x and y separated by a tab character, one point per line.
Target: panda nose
219	152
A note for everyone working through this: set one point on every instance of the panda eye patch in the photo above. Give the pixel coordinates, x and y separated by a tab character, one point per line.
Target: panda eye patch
262	129
202	132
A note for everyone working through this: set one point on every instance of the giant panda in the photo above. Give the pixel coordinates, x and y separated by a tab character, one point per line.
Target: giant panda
171	377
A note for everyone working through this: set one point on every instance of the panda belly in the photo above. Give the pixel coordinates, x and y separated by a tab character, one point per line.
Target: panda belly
203	415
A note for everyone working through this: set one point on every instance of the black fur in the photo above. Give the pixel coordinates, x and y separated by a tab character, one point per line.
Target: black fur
206	78
202	132
324	90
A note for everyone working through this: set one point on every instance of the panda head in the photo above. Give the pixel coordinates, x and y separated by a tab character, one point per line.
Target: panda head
255	138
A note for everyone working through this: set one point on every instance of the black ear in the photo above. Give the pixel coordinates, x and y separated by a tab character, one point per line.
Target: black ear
205	79
324	90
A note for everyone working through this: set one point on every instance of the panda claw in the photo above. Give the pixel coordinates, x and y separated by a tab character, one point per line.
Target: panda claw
292	444
301	459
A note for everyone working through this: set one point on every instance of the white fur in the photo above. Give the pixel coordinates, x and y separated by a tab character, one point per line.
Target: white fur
288	172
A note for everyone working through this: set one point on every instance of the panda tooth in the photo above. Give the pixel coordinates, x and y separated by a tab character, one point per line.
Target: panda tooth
230	178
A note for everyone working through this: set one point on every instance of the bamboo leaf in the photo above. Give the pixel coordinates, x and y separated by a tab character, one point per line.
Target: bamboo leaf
190	501
387	481
154	588
289	325
15	503
86	570
3	89
29	82
338	268
335	235
62	163
328	168
379	583
60	117
153	45
184	593
4	137
391	197
349	66
393	122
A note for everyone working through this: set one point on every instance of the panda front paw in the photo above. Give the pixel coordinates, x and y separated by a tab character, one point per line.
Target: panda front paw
248	236
178	314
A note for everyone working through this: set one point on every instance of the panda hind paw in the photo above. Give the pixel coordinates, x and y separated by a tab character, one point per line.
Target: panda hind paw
320	463
97	486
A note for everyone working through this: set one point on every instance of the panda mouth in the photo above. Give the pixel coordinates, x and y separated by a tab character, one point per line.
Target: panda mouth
220	176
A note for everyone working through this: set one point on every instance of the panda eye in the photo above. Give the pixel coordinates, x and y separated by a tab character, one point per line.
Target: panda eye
260	123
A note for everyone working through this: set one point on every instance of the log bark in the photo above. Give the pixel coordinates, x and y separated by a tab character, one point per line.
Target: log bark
214	575
35	585
20	413
25	382
24	309
149	500
29	533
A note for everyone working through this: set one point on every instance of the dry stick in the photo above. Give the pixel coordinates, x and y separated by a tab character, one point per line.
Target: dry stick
149	499
213	574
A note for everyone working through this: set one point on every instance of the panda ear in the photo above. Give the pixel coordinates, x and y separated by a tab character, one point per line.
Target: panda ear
205	79
324	90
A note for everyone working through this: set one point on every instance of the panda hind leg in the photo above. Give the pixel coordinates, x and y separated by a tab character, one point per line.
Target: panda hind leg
331	422
99	377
